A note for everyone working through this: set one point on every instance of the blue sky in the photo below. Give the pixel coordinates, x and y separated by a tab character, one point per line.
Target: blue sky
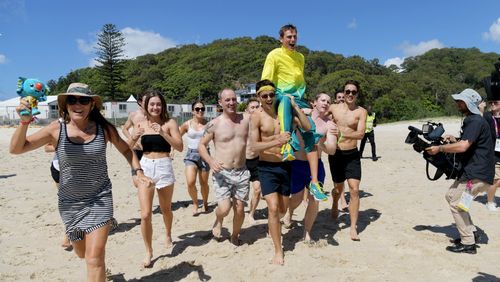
47	39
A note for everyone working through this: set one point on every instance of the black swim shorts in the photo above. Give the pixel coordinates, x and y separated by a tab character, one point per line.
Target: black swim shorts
345	165
275	177
253	167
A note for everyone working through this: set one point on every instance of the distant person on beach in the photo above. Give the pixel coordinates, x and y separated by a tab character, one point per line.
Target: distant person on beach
284	66
229	132
252	162
134	118
478	172
371	122
158	134
274	174
339	97
54	172
493	118
195	165
351	121
85	198
300	173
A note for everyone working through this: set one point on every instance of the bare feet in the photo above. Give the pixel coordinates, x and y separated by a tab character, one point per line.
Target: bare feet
278	258
217	230
66	244
354	235
146	263
168	242
235	241
287	220
205	207
251	219
196	211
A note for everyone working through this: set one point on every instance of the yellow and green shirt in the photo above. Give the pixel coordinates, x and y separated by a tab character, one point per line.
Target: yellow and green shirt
285	69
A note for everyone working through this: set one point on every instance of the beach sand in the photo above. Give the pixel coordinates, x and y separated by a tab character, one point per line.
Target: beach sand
405	225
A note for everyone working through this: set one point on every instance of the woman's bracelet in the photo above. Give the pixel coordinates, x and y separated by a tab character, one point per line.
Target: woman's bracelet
135	170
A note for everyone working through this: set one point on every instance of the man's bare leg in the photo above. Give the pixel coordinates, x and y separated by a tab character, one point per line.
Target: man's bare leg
354	207
310	217
254	201
222	210
337	191
295	201
274	209
238	218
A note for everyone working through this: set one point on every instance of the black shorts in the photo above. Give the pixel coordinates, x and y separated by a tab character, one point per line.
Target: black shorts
345	165
275	177
253	167
138	153
55	173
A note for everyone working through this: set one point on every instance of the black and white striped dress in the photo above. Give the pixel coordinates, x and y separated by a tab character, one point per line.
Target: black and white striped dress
85	198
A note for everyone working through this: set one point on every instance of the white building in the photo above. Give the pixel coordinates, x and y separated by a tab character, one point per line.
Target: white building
120	109
242	95
46	108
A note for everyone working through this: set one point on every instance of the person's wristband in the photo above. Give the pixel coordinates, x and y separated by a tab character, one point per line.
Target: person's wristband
26	122
135	170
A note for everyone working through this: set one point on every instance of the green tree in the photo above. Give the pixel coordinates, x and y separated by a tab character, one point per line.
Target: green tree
109	50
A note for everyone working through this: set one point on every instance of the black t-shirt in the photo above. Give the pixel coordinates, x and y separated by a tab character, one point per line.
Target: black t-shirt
489	118
478	160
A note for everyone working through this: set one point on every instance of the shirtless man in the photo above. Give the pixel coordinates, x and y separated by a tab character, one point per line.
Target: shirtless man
274	174
133	119
252	163
229	132
301	174
346	165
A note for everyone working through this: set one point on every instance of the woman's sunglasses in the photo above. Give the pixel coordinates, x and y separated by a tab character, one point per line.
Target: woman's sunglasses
82	100
349	92
199	109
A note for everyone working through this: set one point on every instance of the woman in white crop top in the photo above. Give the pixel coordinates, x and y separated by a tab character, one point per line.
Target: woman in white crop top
195	165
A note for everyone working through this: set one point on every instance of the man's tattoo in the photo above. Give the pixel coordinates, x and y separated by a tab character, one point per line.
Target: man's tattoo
208	129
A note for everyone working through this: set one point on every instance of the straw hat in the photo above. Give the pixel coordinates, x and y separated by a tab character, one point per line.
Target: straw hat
78	89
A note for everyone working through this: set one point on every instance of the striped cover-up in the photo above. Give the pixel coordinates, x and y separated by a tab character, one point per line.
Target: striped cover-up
85	198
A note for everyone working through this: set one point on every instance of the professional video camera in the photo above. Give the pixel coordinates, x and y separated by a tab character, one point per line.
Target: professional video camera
492	83
448	164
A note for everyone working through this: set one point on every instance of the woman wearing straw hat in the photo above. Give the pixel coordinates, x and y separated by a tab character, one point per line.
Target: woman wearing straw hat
85	198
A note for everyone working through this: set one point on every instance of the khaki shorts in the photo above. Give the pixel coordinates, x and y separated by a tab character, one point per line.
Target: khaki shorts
232	183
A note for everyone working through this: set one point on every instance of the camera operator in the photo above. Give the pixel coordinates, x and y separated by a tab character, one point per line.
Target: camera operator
476	147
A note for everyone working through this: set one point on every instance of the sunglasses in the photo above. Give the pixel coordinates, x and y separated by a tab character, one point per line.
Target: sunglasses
496	103
349	92
265	96
82	100
199	109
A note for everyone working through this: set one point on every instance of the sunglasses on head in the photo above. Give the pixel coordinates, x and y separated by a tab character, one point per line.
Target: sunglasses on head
197	109
265	96
349	92
82	100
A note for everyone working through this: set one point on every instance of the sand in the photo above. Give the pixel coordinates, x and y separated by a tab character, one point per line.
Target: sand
405	225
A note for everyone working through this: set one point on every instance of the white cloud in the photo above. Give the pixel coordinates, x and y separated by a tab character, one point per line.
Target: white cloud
394	61
411	50
353	24
494	33
86	47
139	42
3	59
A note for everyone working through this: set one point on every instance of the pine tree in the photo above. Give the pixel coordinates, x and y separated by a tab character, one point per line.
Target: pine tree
110	58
